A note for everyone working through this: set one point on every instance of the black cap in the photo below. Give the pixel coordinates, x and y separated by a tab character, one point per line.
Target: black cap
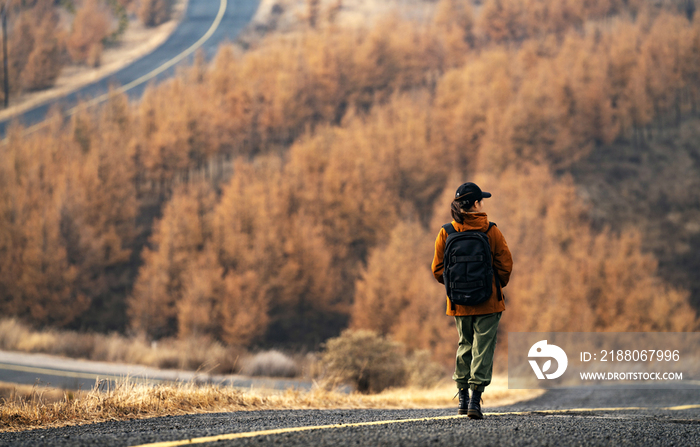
469	191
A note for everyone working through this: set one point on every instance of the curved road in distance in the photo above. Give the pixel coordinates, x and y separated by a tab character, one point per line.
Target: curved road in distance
205	24
66	373
567	417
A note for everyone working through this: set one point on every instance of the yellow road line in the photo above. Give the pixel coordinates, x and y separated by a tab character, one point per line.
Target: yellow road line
147	77
278	431
569	410
72	374
682	407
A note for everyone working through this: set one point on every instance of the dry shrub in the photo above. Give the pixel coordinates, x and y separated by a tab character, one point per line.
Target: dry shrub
39	342
372	363
114	348
12	332
270	364
74	344
15	336
365	360
197	353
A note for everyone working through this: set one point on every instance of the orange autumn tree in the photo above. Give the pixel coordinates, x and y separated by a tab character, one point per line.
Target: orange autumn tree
273	253
453	24
92	24
99	219
501	21
38	283
35	44
44	61
177	242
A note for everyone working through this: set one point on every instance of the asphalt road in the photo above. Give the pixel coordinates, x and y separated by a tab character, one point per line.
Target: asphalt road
572	417
206	24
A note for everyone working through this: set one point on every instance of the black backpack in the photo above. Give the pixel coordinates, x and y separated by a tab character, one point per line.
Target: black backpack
469	271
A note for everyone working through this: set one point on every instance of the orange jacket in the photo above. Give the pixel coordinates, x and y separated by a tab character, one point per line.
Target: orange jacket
502	261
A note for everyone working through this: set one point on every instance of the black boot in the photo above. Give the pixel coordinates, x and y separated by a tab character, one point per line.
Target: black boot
474	409
463	400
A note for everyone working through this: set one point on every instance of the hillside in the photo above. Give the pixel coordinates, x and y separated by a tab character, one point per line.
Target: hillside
297	186
654	186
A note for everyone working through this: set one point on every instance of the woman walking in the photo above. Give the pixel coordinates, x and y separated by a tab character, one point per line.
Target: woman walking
473	261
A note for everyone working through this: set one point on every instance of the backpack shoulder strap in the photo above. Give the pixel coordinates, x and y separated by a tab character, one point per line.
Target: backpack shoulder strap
498	281
449	228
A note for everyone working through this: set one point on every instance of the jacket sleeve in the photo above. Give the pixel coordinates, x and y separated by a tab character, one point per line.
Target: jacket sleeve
438	265
502	259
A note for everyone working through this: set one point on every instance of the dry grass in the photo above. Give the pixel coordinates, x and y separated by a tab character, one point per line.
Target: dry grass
130	401
269	364
10	392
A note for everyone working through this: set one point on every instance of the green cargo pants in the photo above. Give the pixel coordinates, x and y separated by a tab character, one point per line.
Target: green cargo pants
477	343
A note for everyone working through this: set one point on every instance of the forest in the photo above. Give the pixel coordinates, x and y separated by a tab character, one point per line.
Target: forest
278	195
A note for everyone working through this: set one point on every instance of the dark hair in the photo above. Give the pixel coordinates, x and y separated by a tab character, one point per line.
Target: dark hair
458	209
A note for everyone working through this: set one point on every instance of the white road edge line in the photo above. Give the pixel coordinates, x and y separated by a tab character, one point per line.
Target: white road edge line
74	374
